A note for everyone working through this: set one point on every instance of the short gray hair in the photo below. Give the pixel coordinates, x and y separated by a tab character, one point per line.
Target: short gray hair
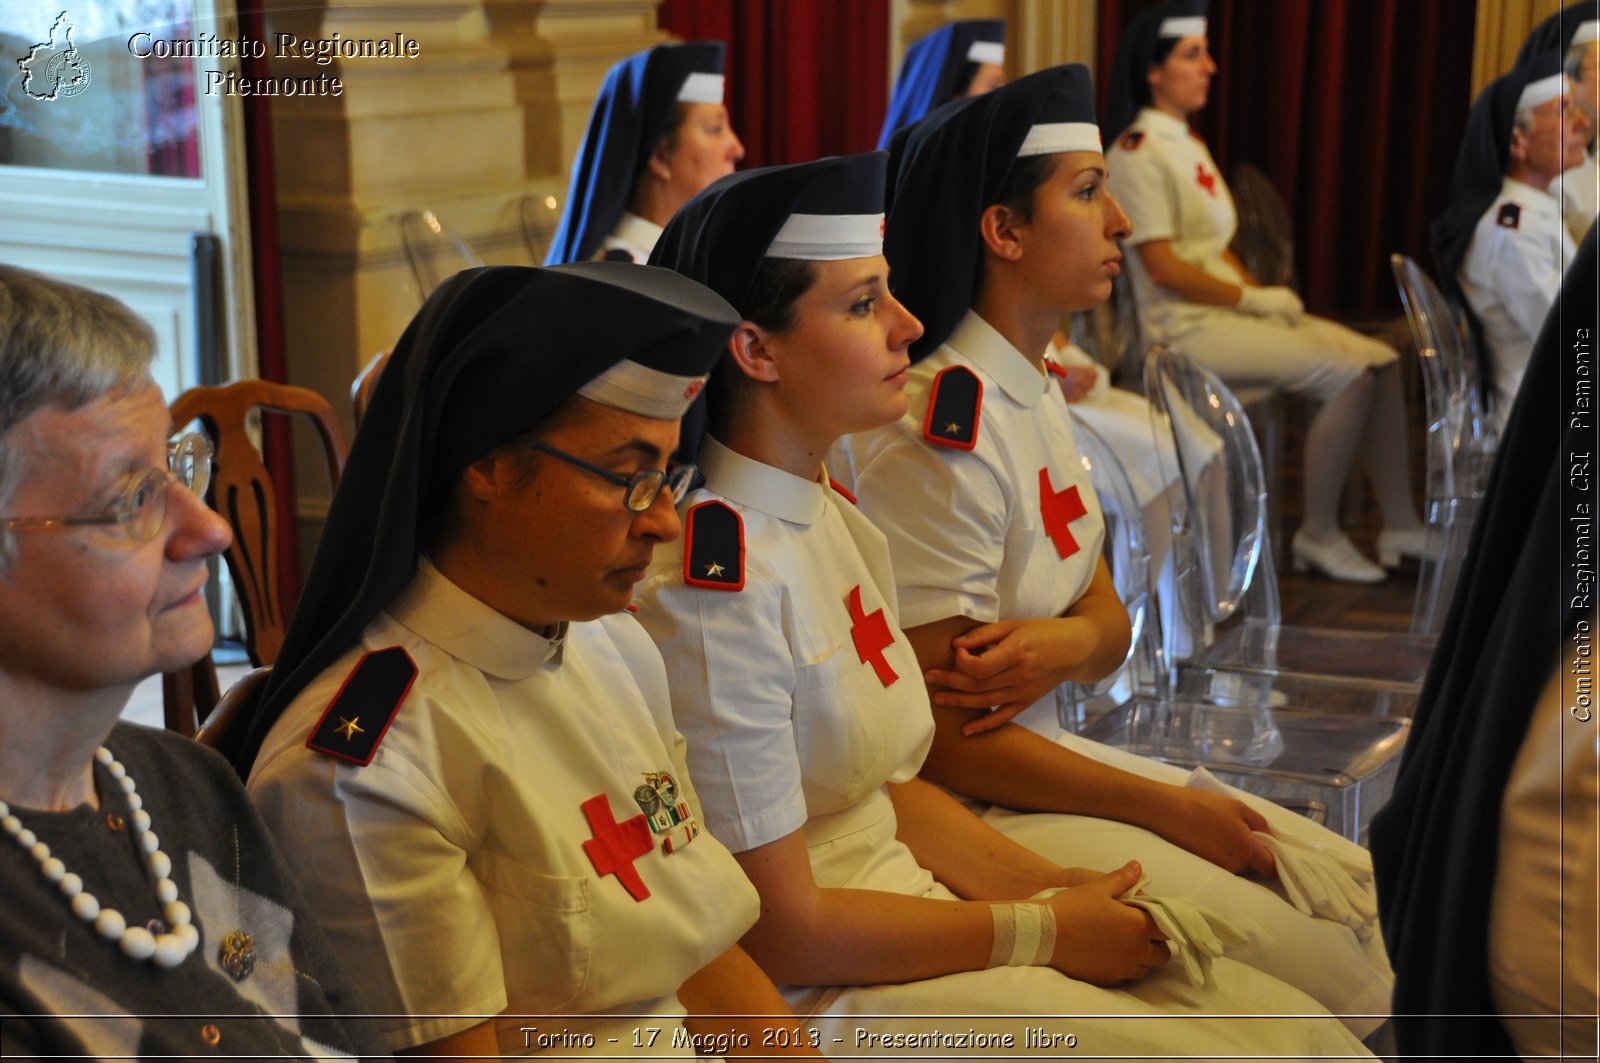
61	346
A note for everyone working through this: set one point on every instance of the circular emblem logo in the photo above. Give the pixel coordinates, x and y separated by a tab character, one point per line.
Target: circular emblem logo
68	73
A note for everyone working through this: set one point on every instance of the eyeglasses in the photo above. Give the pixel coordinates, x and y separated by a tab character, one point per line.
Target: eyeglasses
142	506
639	490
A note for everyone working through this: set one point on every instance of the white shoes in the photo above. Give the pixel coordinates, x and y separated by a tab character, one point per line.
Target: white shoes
1338	559
1393	545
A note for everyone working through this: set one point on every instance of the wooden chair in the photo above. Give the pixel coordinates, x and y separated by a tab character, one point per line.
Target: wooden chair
365	383
242	492
224	729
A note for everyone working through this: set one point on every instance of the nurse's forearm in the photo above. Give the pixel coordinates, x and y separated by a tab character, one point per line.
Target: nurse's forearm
1184	279
734	1006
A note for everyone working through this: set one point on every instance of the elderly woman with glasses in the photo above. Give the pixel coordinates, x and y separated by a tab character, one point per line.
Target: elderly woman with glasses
127	850
468	745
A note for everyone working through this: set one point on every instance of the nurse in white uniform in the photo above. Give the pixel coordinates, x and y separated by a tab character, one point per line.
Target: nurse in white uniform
1575	32
800	699
466	746
1001	222
1195	294
1503	242
658	134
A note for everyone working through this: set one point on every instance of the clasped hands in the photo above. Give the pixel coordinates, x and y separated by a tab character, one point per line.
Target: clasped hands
1007	665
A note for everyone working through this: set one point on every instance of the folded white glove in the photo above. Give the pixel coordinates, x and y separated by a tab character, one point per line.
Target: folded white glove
1272	301
1325	882
1195	933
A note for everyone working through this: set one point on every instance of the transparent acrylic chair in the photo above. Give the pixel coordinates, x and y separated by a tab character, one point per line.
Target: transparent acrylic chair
1228	587
1460	443
1335	768
432	252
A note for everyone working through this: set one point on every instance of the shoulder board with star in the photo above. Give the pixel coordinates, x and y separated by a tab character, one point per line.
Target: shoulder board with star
1131	140
360	714
842	491
1509	216
713	547
954	407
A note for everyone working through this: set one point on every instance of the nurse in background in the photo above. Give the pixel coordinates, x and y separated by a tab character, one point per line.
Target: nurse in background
1195	294
964	58
658	134
1575	32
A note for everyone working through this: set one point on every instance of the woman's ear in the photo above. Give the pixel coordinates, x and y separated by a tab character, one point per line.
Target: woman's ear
491	474
751	350
660	164
999	227
1518	148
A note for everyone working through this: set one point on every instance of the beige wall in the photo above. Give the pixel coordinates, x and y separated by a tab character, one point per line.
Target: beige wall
1501	28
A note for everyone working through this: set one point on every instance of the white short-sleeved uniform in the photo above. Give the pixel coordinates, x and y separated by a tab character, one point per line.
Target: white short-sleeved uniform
800	698
451	872
1580	196
964	530
1170	187
1511	276
634	236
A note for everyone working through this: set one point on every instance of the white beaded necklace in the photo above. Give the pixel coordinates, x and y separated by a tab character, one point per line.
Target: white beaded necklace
167	949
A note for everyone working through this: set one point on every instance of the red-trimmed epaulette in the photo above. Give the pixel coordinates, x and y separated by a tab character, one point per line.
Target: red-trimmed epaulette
1131	140
360	714
1509	215
840	489
954	407
713	547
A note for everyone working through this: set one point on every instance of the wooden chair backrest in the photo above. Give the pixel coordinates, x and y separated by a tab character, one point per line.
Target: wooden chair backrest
241	490
365	383
224	730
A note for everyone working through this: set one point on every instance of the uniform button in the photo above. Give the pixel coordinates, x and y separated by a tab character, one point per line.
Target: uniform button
115	822
210	1034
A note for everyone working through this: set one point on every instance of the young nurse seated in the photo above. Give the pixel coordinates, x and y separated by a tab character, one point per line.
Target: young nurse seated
1001	222
148	914
467	741
883	900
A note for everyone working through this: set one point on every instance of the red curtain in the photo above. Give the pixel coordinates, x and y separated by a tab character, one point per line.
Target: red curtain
804	79
268	289
1354	109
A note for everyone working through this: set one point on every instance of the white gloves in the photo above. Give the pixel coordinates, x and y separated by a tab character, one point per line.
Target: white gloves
1195	933
1326	882
1272	301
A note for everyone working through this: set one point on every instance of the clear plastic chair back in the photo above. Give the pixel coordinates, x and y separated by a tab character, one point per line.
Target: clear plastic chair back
1460	440
432	253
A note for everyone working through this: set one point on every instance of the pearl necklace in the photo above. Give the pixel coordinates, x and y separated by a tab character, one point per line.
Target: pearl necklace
166	949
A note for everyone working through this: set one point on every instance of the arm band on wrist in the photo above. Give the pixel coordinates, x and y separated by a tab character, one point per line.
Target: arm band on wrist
1024	935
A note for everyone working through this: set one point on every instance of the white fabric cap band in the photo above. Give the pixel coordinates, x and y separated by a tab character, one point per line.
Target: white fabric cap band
1542	91
987	52
1588	30
701	88
1052	138
1024	935
1194	26
647	392
828	237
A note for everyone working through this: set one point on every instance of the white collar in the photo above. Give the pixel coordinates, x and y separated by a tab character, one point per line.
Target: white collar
1162	124
471	630
1528	196
637	232
758	485
979	342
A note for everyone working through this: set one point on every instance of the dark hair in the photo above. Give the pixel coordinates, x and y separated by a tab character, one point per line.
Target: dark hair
963	82
1026	175
1141	88
777	287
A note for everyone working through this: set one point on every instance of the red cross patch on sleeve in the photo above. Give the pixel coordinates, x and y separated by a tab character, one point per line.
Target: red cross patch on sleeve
953	409
713	547
1060	509
360	714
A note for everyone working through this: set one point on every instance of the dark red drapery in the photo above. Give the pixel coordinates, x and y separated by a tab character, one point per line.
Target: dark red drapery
1353	108
804	79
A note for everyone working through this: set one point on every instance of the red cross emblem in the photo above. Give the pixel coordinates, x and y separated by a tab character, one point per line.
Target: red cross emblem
1208	181
615	846
872	636
1060	508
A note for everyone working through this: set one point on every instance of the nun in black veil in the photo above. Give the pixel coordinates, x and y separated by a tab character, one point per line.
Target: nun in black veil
466	746
1485	857
1502	245
658	134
